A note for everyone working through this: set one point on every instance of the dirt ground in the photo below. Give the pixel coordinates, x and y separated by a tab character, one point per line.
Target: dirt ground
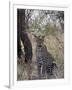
55	45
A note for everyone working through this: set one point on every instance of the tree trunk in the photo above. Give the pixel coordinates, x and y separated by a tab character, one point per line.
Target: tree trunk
23	36
20	28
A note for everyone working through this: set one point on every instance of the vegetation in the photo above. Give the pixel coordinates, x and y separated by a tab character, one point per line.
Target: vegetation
46	25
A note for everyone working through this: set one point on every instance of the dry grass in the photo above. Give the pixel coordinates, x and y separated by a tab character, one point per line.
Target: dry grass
55	45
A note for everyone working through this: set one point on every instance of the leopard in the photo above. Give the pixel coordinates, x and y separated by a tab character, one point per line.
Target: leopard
45	61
